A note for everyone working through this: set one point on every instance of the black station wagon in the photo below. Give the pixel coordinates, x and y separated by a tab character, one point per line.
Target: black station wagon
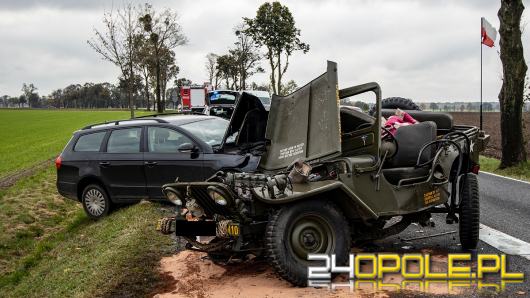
129	160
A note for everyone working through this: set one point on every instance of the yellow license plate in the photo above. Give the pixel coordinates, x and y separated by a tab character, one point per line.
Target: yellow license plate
232	230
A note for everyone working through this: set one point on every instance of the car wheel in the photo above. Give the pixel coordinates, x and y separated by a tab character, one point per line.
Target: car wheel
95	201
309	227
469	219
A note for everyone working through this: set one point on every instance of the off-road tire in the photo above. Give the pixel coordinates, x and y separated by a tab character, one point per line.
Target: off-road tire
91	194
396	103
278	244
469	219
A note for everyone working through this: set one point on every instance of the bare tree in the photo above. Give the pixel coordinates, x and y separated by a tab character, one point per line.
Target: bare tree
164	32
511	96
211	61
247	56
117	44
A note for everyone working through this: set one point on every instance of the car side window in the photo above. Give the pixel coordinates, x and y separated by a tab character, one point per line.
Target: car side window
165	140
89	142
125	140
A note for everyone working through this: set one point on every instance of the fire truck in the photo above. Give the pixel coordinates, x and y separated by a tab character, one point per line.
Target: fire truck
194	97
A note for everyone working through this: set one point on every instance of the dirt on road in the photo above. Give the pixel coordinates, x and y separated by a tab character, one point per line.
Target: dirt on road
192	274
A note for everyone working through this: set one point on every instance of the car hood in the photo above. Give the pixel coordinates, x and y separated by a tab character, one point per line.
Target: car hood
303	125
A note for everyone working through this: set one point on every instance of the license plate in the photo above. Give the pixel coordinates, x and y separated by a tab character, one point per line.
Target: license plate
232	230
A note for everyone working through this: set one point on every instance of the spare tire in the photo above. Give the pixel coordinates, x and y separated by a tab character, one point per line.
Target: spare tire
396	103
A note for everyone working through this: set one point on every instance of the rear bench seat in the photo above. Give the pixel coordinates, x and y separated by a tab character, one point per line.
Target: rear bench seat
444	121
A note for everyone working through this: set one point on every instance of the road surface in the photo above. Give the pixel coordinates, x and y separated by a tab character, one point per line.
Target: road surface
505	210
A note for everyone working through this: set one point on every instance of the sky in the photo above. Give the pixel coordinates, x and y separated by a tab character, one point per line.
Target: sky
427	50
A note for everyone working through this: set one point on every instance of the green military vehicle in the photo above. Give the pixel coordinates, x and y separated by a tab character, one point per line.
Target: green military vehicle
327	177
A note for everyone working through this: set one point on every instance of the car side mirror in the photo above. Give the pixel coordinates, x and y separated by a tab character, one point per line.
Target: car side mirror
188	147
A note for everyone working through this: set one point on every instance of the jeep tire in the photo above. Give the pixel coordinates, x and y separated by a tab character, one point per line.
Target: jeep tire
396	103
95	201
306	227
469	219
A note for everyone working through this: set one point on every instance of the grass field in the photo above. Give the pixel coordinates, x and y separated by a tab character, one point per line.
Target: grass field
30	136
48	246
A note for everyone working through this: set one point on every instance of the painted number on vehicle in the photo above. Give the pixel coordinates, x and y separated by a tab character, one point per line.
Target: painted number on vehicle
232	230
431	196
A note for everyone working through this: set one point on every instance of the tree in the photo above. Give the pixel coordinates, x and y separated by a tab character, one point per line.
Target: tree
512	90
145	65
164	33
246	55
30	95
118	44
274	27
462	107
227	69
469	107
433	106
211	62
288	88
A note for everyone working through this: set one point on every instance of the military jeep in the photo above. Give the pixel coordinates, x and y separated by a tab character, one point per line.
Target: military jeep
326	177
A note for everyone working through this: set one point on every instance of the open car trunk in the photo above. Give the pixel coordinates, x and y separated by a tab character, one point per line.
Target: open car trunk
303	125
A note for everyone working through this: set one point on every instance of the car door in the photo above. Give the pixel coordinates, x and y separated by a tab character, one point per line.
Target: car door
122	166
170	154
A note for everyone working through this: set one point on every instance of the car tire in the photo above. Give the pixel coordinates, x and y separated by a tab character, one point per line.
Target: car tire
469	219
96	201
396	103
306	227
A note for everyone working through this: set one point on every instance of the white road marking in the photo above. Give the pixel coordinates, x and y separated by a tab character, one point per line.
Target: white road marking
504	242
500	176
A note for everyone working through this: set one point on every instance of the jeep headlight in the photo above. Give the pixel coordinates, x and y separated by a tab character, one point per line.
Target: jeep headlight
173	196
217	195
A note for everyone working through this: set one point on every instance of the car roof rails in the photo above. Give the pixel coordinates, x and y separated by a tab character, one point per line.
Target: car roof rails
117	122
158	115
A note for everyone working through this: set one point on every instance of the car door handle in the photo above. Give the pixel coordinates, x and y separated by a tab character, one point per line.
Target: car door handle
104	163
150	163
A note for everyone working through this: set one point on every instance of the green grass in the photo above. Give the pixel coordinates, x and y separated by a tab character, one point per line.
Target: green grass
49	247
521	172
31	136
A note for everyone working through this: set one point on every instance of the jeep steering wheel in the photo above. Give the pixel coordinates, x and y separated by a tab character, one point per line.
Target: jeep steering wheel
386	135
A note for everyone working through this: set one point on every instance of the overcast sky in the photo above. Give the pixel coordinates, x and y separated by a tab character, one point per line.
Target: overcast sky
428	50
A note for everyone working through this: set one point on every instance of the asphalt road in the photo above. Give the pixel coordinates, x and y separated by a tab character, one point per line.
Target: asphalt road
505	206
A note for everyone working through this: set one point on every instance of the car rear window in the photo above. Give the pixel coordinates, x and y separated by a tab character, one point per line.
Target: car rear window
90	142
125	141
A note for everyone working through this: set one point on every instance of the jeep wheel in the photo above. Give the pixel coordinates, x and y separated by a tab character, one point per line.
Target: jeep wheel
396	103
469	211
305	228
95	201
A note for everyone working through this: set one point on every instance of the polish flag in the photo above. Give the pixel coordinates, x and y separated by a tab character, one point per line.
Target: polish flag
488	32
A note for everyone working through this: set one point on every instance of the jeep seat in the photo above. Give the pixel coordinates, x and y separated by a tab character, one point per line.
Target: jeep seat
410	140
444	121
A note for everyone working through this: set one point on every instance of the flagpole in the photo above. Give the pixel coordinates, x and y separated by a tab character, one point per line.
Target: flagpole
480	73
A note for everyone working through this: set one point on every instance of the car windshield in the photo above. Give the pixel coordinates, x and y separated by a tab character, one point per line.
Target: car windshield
221	97
211	131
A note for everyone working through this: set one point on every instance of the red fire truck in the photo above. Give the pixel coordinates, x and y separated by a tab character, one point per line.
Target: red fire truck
194	97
